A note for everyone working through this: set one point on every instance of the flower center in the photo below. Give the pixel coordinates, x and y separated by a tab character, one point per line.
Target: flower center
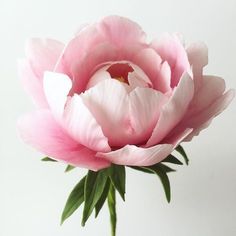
120	71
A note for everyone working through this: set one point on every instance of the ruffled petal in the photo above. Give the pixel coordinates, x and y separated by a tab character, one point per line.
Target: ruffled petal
174	110
41	131
137	156
82	126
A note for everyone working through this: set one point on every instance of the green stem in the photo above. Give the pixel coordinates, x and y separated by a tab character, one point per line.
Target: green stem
112	208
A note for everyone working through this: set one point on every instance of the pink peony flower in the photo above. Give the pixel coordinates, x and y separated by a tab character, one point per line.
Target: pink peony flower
109	96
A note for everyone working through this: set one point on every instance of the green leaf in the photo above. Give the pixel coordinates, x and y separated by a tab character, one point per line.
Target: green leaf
139	168
94	186
103	198
75	199
166	168
117	176
69	168
111	200
146	170
161	173
180	150
48	159
172	159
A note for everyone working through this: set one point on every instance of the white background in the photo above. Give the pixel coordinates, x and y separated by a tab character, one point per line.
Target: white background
32	193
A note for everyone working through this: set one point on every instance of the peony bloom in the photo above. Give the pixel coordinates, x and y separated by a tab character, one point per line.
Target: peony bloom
109	96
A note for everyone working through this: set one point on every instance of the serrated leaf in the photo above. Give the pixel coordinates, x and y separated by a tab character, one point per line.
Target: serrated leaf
94	186
69	168
111	200
74	201
117	176
103	198
161	173
172	159
48	159
180	150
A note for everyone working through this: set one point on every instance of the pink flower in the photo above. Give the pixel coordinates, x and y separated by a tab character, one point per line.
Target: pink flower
109	96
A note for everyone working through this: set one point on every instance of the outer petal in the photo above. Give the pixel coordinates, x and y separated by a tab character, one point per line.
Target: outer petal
43	54
211	88
121	31
138	156
174	110
80	123
31	84
198	58
202	119
56	87
170	48
40	130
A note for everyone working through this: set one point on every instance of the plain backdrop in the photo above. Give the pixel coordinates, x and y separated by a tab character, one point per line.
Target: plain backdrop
33	193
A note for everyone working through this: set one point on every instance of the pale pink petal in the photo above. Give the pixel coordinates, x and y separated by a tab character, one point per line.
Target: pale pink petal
176	139
137	156
31	84
174	110
43	54
99	76
135	80
152	64
56	88
77	49
170	48
41	131
203	118
198	58
145	109
109	104
211	88
84	69
82	126
121	31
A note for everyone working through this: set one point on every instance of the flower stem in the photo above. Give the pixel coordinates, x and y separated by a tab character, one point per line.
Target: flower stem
112	208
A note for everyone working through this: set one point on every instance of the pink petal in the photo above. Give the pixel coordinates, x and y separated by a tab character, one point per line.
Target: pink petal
174	110
145	109
83	69
77	49
202	119
121	31
56	88
211	88
151	63
198	58
176	139
82	126
31	84
43	54
138	156
41	131
170	48
108	102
